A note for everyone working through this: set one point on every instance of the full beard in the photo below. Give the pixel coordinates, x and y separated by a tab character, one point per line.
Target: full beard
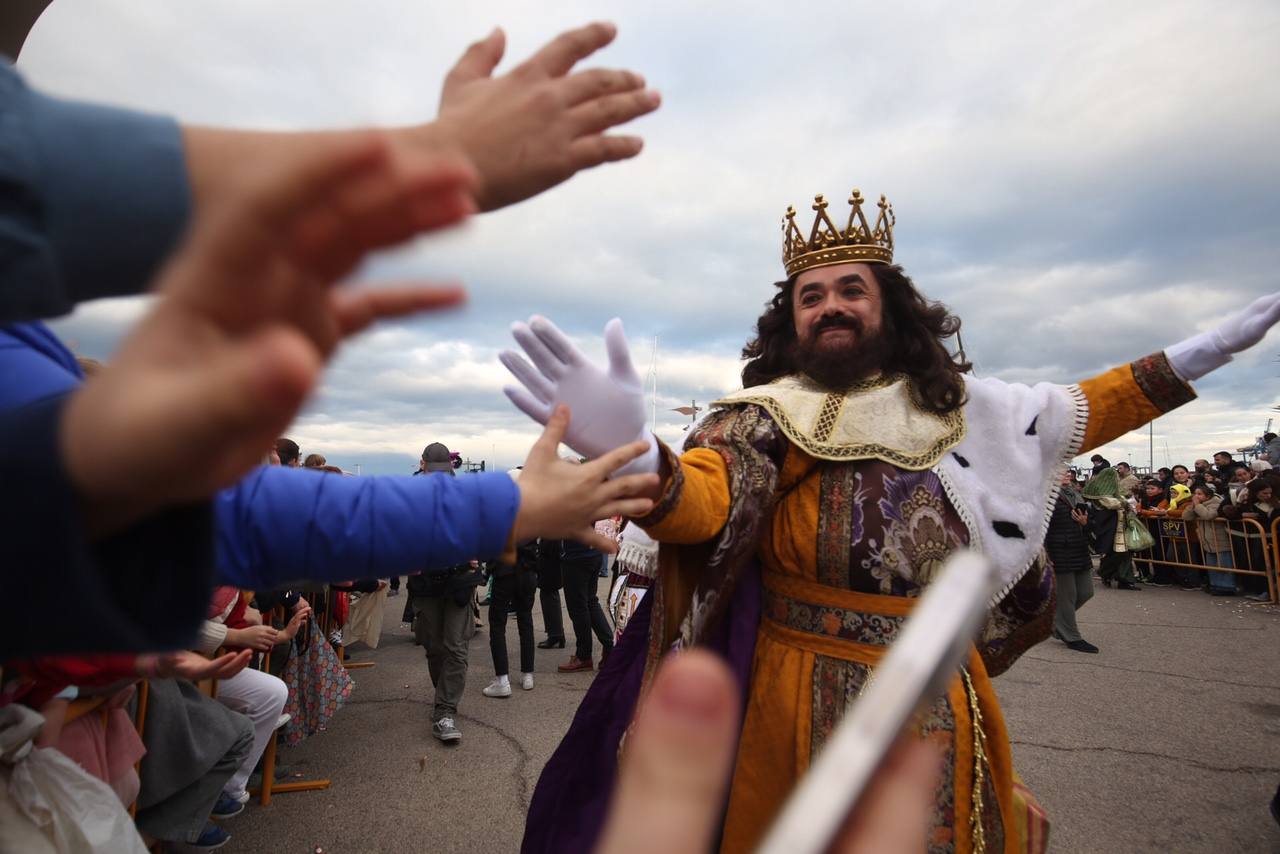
838	368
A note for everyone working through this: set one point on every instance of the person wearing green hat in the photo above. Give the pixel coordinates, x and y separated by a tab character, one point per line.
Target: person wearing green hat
1108	511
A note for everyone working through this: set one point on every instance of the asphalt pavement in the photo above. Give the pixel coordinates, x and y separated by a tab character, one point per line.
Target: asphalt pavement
1166	741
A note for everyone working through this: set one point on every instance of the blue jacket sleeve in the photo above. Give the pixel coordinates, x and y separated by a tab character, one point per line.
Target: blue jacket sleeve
281	525
92	200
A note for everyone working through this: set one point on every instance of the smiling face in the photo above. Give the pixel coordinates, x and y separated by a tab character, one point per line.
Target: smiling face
1180	474
836	306
838	314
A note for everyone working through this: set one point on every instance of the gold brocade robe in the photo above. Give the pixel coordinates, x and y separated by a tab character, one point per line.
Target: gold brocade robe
846	535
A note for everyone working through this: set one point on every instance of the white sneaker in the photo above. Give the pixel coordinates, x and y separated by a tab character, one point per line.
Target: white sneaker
497	689
284	718
526	681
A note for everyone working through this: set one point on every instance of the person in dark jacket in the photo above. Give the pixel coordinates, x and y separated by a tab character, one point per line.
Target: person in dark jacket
1068	548
514	586
550	580
581	567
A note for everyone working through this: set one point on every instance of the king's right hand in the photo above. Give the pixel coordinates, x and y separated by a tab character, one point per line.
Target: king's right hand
607	406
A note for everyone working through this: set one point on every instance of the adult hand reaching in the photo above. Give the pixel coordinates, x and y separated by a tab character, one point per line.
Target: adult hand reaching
563	500
607	406
538	125
245	320
1200	354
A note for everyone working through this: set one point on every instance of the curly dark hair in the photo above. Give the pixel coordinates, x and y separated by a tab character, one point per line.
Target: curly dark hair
913	327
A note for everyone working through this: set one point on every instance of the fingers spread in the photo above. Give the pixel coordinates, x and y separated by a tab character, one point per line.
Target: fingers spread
617	458
357	308
568	49
676	766
249	225
536	349
615	343
588	151
525	402
478	61
597	83
600	114
381	209
555	340
535	382
632	508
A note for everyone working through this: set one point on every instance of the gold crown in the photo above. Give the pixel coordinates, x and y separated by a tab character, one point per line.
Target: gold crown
828	245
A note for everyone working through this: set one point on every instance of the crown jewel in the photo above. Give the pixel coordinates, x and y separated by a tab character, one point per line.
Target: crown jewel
827	245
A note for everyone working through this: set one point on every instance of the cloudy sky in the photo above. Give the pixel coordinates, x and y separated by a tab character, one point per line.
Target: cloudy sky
1083	183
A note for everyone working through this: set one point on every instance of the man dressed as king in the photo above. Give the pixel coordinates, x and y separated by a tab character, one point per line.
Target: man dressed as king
810	509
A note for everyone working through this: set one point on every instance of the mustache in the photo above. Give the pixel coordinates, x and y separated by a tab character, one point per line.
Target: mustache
839	321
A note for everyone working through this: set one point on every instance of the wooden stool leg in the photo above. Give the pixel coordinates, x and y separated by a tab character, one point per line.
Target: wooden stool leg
268	771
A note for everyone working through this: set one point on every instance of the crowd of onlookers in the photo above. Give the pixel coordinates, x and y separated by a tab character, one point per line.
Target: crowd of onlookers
1182	507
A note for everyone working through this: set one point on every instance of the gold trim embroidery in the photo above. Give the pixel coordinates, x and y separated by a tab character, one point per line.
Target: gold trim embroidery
815	444
979	760
825	424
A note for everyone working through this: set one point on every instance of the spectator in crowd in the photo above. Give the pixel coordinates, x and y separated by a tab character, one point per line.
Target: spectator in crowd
1181	475
1240	477
581	567
1067	545
1107	512
1099	463
1271	449
1224	467
1255	500
550	580
257	695
442	613
315	461
1202	468
1215	542
1153	507
289	453
1165	476
514	587
1129	483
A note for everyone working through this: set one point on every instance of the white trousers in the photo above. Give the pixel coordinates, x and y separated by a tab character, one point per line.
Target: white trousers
260	697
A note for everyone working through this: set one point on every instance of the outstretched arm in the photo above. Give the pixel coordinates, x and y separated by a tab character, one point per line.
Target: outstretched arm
1125	398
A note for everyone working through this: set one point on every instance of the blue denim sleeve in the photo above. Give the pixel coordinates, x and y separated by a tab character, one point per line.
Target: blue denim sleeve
92	200
281	525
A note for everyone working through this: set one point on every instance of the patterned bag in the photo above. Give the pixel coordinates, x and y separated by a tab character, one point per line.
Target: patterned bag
318	686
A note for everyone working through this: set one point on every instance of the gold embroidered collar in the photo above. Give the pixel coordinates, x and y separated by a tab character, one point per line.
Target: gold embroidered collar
878	419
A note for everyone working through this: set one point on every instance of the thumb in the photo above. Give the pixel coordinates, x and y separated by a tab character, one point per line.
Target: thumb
615	342
478	61
544	450
675	768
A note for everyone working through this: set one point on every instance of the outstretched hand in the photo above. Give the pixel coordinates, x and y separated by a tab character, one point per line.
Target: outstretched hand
538	125
245	320
608	406
563	500
1200	354
1241	331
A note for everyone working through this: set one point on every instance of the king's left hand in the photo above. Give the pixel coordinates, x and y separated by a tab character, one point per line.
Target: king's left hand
1207	351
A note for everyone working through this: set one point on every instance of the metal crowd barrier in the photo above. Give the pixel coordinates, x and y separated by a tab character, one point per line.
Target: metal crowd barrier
1254	550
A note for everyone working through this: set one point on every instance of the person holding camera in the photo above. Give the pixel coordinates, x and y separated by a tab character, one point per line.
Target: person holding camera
441	619
1067	545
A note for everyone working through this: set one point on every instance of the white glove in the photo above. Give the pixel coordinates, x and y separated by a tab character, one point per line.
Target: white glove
1208	351
606	410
